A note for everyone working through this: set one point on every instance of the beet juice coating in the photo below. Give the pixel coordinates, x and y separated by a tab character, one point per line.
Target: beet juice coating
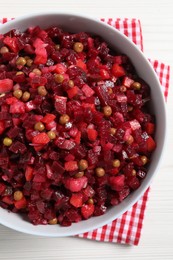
76	136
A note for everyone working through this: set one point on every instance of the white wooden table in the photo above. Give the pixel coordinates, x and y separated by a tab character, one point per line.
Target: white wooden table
157	238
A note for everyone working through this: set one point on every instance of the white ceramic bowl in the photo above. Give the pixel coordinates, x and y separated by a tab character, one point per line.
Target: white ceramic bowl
74	23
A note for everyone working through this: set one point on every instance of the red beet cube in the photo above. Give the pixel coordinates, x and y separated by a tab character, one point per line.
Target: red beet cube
20	204
29	173
2	188
81	65
71	166
87	91
118	70
72	92
2	126
104	74
127	82
60	104
12	43
87	210
48	118
117	183
150	127
76	200
60	68
76	185
40	51
5	85
151	144
92	134
41	138
17	108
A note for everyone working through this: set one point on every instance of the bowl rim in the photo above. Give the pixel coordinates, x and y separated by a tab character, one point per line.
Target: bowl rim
143	187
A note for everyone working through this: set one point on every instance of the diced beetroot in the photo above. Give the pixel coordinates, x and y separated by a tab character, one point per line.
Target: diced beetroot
117	148
104	74
108	146
71	166
123	193
87	210
2	126
92	134
81	65
41	138
87	90
117	183
92	157
5	85
90	106
114	171
77	138
40	206
69	157
137	160
117	119
118	59
127	82
30	106
76	185
17	108
40	51
60	68
150	127
49	171
12	43
39	178
73	131
65	144
3	160
72	92
16	121
51	126
60	104
99	210
135	124
127	134
29	173
2	187
38	118
11	100
89	191
20	204
48	118
13	132
57	167
102	95
46	194
151	144
118	70
37	81
18	147
8	200
133	182
121	98
76	200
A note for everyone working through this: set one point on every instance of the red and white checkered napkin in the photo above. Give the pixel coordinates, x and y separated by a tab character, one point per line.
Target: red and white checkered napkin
127	228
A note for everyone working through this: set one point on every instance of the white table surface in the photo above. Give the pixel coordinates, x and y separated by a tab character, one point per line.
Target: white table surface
157	237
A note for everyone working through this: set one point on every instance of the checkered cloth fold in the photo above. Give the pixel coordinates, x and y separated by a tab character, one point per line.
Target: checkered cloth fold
127	228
